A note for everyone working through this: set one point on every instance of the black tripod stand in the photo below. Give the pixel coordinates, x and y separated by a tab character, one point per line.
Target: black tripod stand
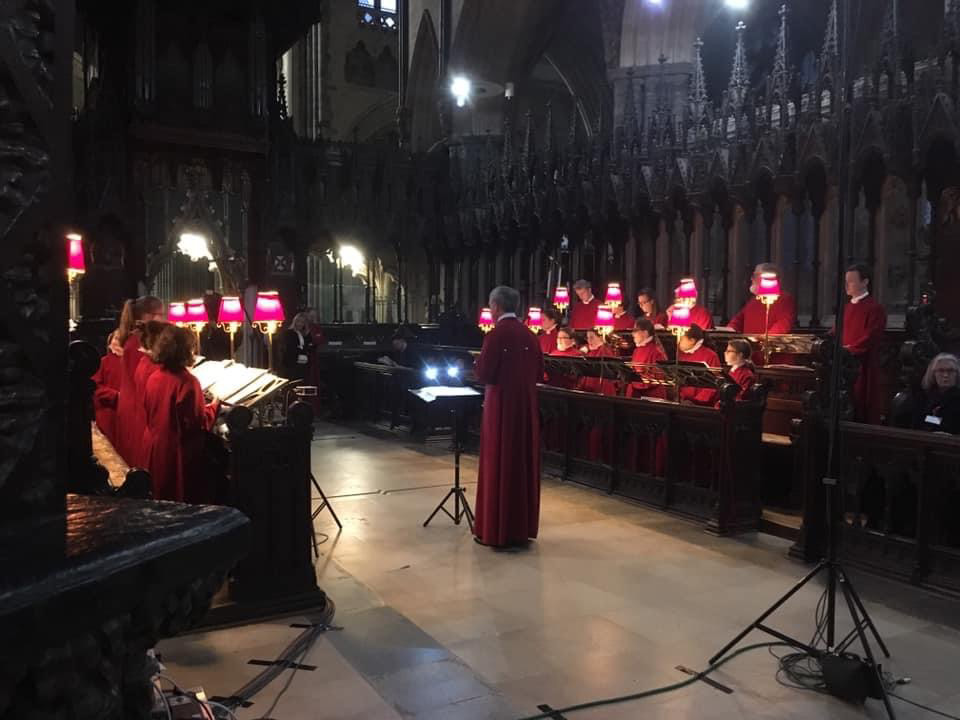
324	505
461	507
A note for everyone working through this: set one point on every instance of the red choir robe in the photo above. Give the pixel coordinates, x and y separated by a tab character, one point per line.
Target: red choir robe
598	437
107	380
145	370
583	316
699	315
129	427
568	382
648	354
744	377
623	322
661	318
177	418
863	325
553	432
508	479
752	318
697	395
548	341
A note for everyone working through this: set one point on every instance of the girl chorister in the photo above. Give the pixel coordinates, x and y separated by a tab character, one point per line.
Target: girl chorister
176	420
146	368
742	371
107	391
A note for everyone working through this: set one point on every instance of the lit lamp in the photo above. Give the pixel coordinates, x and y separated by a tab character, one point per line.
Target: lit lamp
561	298
768	292
196	317
268	317
486	320
535	319
686	293
614	295
76	266
679	324
230	317
177	313
604	321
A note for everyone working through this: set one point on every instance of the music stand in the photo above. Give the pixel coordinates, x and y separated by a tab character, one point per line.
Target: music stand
456	399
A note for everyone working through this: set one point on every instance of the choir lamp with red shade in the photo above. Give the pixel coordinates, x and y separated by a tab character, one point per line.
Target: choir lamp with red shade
679	324
268	317
614	295
76	266
686	293
197	316
535	319
768	292
486	320
177	313
604	321
561	298
230	317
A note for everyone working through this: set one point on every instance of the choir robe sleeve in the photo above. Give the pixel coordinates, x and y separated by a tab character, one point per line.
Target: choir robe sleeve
783	315
736	322
744	377
105	394
701	395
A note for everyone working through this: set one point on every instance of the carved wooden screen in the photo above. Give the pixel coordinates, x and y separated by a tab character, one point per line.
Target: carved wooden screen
36	39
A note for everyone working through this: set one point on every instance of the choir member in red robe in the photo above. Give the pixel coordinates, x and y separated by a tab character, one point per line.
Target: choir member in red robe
647	303
177	418
742	371
146	368
622	320
583	311
107	389
508	480
129	427
864	322
647	351
699	316
566	347
550	324
752	318
597	347
691	349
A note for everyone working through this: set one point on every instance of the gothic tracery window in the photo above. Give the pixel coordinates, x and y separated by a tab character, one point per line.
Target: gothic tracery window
378	13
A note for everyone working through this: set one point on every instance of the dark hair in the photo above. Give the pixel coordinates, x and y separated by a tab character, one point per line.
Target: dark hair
649	292
151	331
553	314
174	347
567	330
643	323
146	305
862	270
695	332
743	347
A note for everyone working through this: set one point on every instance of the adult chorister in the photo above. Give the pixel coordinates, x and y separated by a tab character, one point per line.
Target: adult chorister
508	483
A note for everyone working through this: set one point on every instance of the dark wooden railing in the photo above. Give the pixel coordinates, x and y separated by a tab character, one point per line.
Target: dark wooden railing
678	458
899	494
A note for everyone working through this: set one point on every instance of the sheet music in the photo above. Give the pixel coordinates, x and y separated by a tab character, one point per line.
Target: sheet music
209	371
234	379
431	393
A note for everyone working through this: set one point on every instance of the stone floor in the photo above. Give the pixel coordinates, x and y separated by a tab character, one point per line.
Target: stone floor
609	600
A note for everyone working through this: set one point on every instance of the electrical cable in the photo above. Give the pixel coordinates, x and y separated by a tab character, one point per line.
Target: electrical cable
655	691
223	707
293	672
923	707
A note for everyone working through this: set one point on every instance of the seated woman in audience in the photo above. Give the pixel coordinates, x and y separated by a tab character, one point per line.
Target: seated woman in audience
177	418
691	349
741	371
648	308
647	351
938	407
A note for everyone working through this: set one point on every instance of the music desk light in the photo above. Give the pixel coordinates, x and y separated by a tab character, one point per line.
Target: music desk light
768	292
268	317
561	298
486	322
76	266
230	317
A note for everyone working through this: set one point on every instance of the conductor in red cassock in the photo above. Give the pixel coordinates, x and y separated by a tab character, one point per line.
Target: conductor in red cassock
752	318
864	322
508	483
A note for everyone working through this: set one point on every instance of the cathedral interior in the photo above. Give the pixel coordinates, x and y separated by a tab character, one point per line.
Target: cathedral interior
245	245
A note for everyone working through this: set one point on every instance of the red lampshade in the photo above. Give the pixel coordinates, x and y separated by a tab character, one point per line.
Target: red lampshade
268	308
486	320
679	317
561	297
177	313
196	312
614	295
231	311
75	261
535	319
604	321
769	285
686	292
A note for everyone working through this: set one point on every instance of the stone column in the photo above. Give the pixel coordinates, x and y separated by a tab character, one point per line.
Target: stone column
738	242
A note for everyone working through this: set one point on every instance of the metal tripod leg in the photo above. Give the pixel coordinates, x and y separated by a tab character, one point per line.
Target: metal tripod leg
863	611
848	596
324	505
459	496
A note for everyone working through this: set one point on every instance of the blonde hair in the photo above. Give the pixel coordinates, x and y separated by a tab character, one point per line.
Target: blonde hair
928	382
300	317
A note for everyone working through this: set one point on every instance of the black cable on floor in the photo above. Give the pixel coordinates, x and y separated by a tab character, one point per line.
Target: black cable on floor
923	707
655	691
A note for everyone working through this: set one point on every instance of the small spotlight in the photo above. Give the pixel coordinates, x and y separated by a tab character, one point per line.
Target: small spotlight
737	4
460	88
453	371
431	373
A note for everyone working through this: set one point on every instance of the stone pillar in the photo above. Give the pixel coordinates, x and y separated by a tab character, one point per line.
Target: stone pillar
662	242
776	232
697	242
738	255
827	277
